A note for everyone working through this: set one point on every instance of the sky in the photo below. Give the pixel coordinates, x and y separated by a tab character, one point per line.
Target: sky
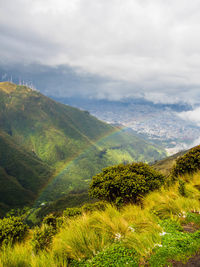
109	49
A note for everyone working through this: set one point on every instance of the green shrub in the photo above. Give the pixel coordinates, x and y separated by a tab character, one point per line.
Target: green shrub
12	229
42	237
89	207
23	212
188	163
116	256
125	183
50	220
72	212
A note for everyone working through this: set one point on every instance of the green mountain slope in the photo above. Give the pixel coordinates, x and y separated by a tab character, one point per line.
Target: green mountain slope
22	174
73	142
165	165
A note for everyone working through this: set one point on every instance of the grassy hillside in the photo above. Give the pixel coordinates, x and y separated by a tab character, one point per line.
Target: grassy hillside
73	142
165	165
22	174
163	231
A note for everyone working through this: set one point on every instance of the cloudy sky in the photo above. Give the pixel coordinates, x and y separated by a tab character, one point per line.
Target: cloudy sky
130	47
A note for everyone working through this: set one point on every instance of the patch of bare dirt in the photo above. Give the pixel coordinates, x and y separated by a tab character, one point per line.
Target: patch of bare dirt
190	227
194	261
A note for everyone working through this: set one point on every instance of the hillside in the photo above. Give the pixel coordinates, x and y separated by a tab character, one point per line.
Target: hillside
160	229
22	174
165	165
73	142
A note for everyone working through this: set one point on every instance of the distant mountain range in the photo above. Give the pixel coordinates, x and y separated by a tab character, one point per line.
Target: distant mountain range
48	149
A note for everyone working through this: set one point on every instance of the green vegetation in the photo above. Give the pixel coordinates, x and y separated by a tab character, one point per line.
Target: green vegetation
116	256
163	228
176	245
57	148
12	229
42	237
166	165
188	163
22	174
159	229
125	183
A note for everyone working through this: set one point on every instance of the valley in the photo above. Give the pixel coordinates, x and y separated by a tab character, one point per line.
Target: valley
69	145
158	123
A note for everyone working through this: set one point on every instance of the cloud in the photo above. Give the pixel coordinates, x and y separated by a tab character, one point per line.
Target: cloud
192	115
152	46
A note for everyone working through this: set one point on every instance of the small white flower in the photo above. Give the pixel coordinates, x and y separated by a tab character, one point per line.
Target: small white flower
131	229
163	233
158	245
118	236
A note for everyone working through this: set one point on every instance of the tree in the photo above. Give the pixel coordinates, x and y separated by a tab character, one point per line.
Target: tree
125	183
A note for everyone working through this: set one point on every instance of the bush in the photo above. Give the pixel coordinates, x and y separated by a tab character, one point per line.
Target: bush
72	212
89	207
125	183
42	237
50	220
188	163
12	229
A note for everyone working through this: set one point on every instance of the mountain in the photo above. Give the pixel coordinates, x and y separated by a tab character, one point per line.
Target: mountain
22	174
165	165
72	142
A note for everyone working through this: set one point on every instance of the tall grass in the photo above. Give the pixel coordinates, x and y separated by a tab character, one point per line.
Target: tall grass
84	237
21	255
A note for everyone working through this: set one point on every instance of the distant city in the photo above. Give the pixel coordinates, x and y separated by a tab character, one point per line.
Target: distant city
159	123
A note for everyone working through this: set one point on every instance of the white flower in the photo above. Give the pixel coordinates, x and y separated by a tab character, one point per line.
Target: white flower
163	233
118	236
182	214
158	245
131	229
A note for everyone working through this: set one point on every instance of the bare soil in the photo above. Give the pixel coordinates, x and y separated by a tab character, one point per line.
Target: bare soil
192	262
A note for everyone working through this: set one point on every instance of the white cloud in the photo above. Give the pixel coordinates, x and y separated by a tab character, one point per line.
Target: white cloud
192	115
153	45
